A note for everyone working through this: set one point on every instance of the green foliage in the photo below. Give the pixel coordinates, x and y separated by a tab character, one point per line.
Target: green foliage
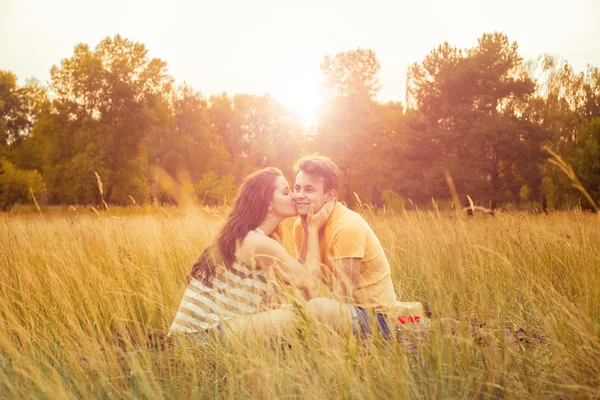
470	122
29	153
524	195
550	191
570	105
17	184
13	116
349	126
585	158
392	200
253	132
19	107
351	74
131	180
473	113
69	173
183	141
215	189
107	100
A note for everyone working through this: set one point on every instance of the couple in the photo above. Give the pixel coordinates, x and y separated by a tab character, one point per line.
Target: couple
232	288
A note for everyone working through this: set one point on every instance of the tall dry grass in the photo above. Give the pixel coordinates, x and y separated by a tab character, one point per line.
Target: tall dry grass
79	290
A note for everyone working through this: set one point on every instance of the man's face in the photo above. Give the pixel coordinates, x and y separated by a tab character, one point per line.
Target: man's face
309	189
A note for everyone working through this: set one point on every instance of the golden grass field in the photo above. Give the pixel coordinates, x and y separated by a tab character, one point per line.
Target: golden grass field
80	289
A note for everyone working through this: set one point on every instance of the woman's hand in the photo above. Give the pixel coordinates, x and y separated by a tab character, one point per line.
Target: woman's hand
314	221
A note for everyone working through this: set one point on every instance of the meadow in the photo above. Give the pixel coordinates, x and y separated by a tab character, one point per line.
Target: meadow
79	290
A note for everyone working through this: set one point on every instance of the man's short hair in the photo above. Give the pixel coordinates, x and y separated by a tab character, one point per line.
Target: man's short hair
321	167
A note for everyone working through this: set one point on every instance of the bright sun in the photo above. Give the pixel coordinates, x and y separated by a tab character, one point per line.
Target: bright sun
302	97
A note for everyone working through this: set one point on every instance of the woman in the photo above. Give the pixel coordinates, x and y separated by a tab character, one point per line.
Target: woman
232	285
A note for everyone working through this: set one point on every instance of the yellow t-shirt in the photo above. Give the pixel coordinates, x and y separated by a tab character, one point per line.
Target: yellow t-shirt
347	235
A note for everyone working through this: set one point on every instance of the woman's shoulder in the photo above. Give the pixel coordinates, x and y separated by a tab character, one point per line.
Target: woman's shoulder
258	241
258	244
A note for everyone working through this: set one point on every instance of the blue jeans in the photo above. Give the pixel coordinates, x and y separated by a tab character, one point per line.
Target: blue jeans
366	321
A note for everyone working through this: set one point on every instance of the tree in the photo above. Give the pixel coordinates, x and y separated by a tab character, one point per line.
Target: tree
253	132
18	108
470	121
16	185
351	74
13	114
585	158
554	113
27	149
106	102
183	147
347	130
566	106
215	189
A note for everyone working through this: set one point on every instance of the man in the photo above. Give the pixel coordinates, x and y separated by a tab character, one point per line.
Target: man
350	252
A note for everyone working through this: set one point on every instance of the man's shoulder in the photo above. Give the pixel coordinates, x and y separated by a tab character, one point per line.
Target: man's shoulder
348	222
348	217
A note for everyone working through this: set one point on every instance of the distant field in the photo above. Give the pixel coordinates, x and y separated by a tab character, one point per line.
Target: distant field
76	287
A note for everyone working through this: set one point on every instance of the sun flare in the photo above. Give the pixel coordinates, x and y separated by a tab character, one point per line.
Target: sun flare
303	98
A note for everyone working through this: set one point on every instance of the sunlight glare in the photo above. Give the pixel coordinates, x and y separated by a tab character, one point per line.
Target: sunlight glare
302	97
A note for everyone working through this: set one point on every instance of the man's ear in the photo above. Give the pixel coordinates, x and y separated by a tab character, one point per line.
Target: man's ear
331	195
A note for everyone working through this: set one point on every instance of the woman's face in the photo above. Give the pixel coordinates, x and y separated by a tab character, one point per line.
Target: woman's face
282	202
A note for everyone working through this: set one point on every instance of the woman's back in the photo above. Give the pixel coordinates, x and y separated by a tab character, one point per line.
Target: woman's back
229	292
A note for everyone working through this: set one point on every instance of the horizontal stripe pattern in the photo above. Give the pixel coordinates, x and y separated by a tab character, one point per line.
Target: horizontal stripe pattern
253	283
231	292
227	301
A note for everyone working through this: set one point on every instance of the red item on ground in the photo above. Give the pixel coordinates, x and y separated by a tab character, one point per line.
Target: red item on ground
411	318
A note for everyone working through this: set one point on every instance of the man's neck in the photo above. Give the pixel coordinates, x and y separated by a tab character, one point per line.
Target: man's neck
336	207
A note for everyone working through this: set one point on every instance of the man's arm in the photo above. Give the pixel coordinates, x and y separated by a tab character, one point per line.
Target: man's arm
348	250
347	272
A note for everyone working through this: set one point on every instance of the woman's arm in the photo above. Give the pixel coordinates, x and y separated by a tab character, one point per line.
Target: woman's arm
311	252
268	253
302	252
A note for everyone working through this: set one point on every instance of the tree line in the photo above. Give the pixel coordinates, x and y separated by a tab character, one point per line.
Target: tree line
482	116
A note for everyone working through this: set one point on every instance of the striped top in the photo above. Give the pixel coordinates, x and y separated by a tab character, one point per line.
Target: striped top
229	293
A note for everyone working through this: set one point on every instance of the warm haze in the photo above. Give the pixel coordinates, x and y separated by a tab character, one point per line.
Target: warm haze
474	224
275	47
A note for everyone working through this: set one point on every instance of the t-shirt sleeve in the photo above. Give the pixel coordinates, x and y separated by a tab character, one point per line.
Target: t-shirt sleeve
349	241
298	234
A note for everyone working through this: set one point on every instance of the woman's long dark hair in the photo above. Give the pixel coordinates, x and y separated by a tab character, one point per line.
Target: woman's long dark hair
249	210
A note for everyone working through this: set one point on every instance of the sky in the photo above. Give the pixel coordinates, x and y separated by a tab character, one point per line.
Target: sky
276	46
